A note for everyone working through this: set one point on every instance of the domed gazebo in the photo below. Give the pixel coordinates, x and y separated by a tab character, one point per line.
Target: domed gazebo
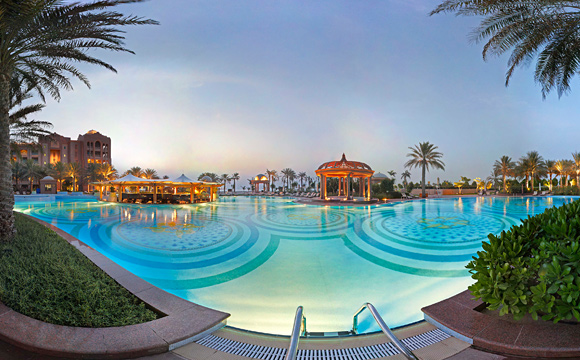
378	178
345	170
260	179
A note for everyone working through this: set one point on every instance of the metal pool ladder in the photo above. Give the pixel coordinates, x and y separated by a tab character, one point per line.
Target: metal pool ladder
299	329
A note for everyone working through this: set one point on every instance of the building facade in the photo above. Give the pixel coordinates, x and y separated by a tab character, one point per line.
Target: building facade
92	147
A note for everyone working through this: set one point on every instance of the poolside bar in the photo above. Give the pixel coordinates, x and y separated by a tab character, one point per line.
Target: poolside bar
132	189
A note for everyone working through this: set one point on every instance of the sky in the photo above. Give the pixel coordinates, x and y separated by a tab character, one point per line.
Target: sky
244	86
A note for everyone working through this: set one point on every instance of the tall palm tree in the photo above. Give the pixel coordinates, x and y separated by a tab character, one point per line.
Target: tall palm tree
405	176
18	172
545	30
505	167
392	173
150	174
74	171
224	179
424	155
522	170
287	172
550	170
235	176
59	173
273	176
92	173
42	41
535	164
568	170
576	166
301	175
33	171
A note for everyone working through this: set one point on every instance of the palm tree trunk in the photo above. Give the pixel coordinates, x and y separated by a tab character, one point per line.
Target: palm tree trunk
504	184
7	229
532	181
423	181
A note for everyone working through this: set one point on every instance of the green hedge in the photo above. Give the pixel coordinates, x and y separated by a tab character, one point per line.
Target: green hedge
566	190
46	278
533	268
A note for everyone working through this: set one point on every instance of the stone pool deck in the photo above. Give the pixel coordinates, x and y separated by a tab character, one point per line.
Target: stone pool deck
467	319
181	322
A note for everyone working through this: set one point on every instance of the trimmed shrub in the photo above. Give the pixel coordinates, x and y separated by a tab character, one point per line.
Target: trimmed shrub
46	278
566	190
533	268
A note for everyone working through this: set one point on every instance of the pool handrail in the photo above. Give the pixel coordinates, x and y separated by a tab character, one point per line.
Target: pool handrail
298	330
402	348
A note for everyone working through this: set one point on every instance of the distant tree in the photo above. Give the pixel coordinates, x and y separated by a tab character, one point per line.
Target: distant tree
224	178
74	171
235	176
214	177
424	156
107	172
392	173
135	171
576	166
535	163
59	172
287	172
149	174
505	167
388	185
459	185
550	170
406	175
18	172
301	175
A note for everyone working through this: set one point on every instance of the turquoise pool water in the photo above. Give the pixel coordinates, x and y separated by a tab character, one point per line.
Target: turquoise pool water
259	258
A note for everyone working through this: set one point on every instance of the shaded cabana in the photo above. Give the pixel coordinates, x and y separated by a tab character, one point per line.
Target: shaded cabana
134	189
48	185
260	179
345	171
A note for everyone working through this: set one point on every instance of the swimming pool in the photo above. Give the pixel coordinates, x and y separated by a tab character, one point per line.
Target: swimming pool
259	258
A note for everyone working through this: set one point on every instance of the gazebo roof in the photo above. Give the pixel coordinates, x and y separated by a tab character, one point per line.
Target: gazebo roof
261	177
182	179
380	175
344	164
47	178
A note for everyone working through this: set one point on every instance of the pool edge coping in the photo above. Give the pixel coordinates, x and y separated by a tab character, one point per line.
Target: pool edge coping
184	321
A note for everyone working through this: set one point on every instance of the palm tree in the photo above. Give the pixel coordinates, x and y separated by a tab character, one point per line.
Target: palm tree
424	155
150	174
213	176
135	171
92	172
74	171
18	172
550	170
224	178
235	176
32	171
273	176
568	169
107	171
287	172
576	166
522	170
59	173
547	30
42	40
405	176
301	175
535	164
23	130
563	168
504	166
392	173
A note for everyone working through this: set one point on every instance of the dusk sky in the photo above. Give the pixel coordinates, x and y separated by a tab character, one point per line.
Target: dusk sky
245	86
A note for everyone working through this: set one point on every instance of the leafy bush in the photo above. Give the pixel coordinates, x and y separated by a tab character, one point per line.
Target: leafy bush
566	190
394	195
388	185
533	268
46	278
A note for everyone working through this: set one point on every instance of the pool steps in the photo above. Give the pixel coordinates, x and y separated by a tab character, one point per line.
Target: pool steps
425	340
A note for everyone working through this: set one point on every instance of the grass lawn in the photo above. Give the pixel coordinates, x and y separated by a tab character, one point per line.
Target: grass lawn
46	278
